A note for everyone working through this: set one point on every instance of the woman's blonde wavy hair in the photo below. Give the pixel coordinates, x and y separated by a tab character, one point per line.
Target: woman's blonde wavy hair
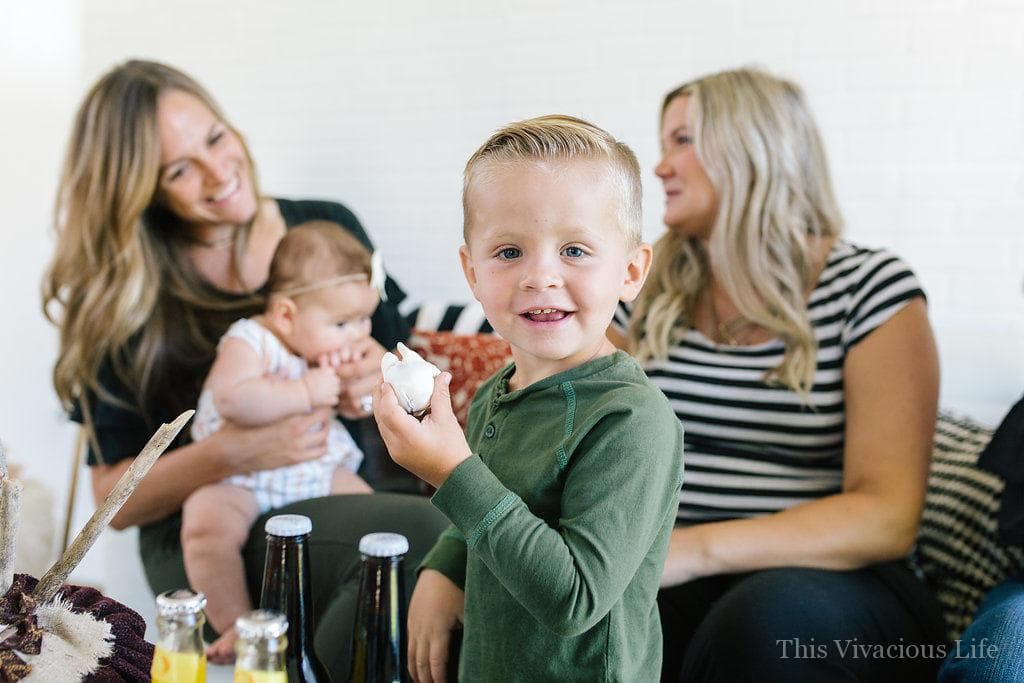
118	288
758	143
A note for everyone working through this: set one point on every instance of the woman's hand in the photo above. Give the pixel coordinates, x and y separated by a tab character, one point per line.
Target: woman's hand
435	610
359	375
231	450
286	442
430	449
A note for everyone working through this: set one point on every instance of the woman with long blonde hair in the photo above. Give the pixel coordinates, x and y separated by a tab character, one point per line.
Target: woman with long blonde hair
804	371
163	240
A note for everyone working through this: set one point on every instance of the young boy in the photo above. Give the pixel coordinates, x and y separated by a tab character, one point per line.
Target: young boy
563	492
319	305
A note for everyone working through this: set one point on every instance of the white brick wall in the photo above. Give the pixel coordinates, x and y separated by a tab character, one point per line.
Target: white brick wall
921	104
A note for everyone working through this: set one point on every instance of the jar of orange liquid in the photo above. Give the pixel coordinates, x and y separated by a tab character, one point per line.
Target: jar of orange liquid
260	648
180	655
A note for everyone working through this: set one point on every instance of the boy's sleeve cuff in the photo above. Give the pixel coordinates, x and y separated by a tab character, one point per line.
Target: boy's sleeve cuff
473	498
448	556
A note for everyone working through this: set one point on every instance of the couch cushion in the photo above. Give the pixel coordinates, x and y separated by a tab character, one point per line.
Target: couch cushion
471	358
441	316
957	547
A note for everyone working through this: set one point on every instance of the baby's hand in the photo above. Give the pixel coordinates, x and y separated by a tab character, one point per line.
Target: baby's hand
430	449
335	359
323	386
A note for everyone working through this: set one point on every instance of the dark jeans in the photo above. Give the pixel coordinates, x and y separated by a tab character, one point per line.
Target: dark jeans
875	624
338	524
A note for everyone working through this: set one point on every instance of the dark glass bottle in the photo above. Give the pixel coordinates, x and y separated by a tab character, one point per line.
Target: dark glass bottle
287	589
378	639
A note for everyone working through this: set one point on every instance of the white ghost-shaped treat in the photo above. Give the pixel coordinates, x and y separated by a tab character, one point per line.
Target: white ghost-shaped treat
412	378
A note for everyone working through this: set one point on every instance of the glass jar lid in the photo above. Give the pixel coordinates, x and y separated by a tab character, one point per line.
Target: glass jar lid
261	624
180	601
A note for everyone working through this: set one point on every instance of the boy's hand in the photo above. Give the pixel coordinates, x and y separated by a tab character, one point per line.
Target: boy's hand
430	449
323	386
434	612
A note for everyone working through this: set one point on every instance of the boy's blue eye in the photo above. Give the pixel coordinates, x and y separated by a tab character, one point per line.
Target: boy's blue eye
574	252
509	253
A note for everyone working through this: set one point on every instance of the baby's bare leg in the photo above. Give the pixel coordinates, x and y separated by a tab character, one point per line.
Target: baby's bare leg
346	481
215	525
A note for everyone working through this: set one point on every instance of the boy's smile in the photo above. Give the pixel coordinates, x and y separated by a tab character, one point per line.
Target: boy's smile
544	315
547	258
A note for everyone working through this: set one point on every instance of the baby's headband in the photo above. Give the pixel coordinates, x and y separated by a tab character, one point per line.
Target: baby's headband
377	279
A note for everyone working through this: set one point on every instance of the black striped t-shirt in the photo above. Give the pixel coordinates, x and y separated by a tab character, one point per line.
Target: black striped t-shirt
752	448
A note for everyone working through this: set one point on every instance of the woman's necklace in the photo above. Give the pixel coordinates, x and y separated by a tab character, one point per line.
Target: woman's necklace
222	242
729	332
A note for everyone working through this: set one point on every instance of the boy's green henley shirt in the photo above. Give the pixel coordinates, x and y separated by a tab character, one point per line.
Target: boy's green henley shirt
561	521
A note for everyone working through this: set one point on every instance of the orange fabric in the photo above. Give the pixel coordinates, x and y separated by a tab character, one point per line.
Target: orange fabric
471	358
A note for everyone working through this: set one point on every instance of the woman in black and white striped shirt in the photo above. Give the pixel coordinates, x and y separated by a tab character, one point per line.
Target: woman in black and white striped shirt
805	373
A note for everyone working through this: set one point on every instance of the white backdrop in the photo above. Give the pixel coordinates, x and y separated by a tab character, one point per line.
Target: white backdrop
921	104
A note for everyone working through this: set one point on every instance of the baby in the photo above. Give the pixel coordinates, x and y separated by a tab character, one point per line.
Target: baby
269	367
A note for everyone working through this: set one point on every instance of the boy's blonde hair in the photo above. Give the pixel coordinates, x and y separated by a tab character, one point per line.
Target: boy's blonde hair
561	138
316	254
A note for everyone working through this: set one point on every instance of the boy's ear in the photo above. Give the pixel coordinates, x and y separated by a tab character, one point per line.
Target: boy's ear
467	268
281	312
637	267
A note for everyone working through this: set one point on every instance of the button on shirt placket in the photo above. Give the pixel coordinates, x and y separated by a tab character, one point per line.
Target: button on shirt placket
494	418
492	426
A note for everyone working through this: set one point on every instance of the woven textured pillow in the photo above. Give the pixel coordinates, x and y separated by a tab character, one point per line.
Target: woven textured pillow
957	548
471	358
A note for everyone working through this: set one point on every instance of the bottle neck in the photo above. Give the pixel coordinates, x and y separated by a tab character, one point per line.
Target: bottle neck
287	589
378	639
181	632
262	654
